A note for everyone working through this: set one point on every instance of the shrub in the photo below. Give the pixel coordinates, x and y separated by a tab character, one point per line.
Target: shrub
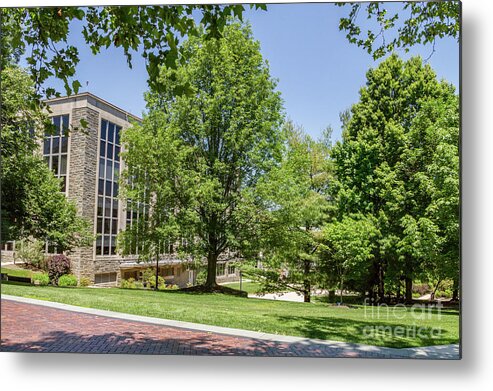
43	265
40	279
67	280
421	289
58	265
139	285
149	277
446	293
29	251
164	287
128	284
84	281
201	276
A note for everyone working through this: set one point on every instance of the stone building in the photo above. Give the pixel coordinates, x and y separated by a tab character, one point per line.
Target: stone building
88	162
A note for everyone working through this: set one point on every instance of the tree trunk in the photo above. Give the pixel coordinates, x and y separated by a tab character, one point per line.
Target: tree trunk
211	271
381	287
432	295
306	283
398	290
409	289
332	295
455	292
157	272
341	286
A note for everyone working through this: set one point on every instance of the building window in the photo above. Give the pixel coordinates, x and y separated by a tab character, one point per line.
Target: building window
104	278
168	272
8	246
51	248
220	269
137	215
55	149
108	174
231	269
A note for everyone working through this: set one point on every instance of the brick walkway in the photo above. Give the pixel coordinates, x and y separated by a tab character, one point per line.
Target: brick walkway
35	328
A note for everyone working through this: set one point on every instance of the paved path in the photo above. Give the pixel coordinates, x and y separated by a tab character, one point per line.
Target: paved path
54	327
287	296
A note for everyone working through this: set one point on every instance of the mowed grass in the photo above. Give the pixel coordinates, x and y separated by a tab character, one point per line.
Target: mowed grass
392	328
248	286
18	272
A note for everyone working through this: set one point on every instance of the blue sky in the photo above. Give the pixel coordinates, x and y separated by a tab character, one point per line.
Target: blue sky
319	73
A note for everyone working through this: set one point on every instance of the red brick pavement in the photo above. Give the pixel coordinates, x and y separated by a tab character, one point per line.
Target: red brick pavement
35	328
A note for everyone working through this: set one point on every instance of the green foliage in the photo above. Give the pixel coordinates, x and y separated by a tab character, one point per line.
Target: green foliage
149	277
41	279
29	251
67	280
201	276
128	284
296	197
41	34
347	249
201	154
150	280
398	163
32	204
169	287
84	281
418	23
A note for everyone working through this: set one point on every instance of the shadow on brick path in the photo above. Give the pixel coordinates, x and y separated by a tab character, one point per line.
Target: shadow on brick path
141	343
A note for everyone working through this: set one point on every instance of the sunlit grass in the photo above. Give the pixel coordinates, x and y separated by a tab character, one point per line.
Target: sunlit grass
395	327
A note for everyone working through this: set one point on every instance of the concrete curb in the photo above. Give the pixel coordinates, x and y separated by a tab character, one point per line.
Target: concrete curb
430	352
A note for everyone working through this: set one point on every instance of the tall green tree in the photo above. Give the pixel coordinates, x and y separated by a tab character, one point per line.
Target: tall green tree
431	166
147	191
346	250
220	138
32	204
377	175
295	194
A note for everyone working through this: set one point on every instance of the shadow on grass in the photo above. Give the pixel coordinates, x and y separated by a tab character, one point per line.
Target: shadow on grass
370	332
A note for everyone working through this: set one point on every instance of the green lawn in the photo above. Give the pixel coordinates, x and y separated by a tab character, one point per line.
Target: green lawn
250	287
17	272
288	318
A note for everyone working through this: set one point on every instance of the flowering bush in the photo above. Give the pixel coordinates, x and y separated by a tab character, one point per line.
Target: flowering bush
29	251
58	265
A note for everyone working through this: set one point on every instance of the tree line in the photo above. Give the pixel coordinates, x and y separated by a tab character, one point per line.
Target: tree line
226	177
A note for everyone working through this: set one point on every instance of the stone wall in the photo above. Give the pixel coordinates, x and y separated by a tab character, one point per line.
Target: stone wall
83	160
108	265
7	256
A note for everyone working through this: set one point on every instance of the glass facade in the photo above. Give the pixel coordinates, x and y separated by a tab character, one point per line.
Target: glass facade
108	173
55	149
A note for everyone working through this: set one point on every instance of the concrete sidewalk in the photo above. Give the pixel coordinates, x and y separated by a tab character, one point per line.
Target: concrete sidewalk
301	346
